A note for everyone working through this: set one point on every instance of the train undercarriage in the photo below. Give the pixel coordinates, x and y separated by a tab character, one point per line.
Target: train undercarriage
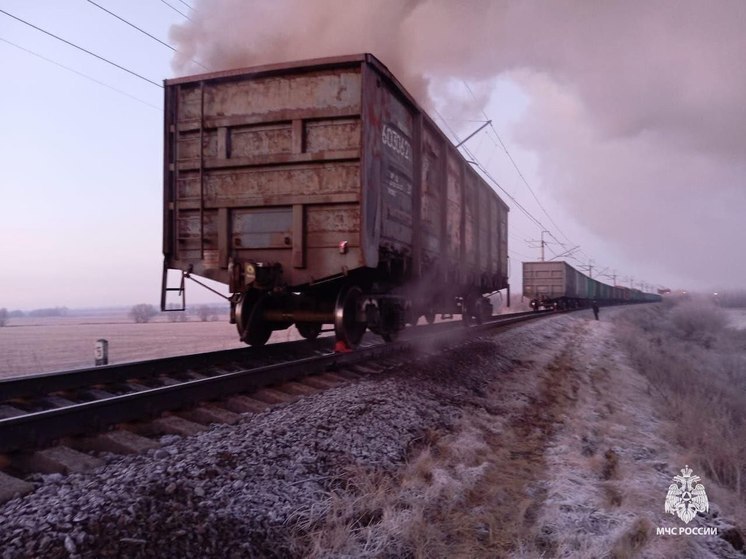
383	300
558	303
350	307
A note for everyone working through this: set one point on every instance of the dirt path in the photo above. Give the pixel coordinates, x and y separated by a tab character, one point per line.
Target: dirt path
568	459
586	462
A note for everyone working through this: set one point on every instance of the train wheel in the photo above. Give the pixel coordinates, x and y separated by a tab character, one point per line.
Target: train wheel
347	327
309	330
252	328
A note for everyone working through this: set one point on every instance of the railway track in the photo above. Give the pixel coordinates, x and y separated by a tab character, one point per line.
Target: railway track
39	411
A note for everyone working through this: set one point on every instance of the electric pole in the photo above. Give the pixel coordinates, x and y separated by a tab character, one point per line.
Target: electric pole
542	245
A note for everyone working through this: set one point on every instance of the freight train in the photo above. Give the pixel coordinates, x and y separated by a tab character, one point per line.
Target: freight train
321	194
557	285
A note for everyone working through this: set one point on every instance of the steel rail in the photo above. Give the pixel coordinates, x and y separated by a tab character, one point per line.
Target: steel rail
42	428
60	381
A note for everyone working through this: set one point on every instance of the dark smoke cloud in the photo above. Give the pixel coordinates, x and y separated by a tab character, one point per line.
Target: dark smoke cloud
637	109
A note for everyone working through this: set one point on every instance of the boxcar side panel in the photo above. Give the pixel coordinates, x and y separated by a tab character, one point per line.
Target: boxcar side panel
471	231
485	219
454	211
503	255
433	197
397	172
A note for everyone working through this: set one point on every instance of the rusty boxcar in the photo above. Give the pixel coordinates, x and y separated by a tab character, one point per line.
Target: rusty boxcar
321	193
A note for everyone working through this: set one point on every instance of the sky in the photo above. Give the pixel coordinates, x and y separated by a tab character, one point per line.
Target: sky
619	127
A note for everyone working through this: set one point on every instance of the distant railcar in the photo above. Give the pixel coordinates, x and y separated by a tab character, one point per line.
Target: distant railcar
557	285
320	193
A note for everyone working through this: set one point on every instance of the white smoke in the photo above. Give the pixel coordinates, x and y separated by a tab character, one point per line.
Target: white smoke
637	113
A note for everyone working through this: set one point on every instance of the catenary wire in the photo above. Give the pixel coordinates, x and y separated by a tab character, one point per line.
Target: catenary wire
176	10
82	49
141	30
531	217
519	254
523	178
492	179
80	74
165	44
515	165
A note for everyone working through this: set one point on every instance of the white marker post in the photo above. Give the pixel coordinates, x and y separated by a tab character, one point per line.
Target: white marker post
101	352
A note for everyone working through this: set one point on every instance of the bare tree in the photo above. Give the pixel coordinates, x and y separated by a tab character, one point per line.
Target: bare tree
142	313
3	316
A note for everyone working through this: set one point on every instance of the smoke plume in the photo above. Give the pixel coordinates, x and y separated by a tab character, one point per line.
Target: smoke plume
637	109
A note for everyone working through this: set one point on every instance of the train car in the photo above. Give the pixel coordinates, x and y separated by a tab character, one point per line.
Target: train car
557	285
320	193
553	284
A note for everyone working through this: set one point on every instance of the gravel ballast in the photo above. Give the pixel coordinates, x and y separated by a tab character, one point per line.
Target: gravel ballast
237	490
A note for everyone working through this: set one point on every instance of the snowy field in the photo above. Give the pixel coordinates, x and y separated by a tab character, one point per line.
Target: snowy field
736	318
31	345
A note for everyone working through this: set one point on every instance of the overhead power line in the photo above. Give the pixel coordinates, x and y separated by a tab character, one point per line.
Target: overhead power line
535	220
165	44
177	10
82	49
100	7
520	254
476	163
36	54
531	190
515	166
569	251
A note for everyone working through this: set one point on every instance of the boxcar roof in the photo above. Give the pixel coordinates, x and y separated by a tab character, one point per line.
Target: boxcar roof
286	67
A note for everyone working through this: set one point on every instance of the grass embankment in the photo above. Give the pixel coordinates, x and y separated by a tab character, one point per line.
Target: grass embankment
697	369
477	490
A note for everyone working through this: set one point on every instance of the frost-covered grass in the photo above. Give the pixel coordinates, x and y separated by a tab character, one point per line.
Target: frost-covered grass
736	318
450	500
697	366
567	455
471	490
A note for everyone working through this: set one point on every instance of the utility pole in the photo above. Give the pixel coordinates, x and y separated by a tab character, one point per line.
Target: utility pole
542	245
